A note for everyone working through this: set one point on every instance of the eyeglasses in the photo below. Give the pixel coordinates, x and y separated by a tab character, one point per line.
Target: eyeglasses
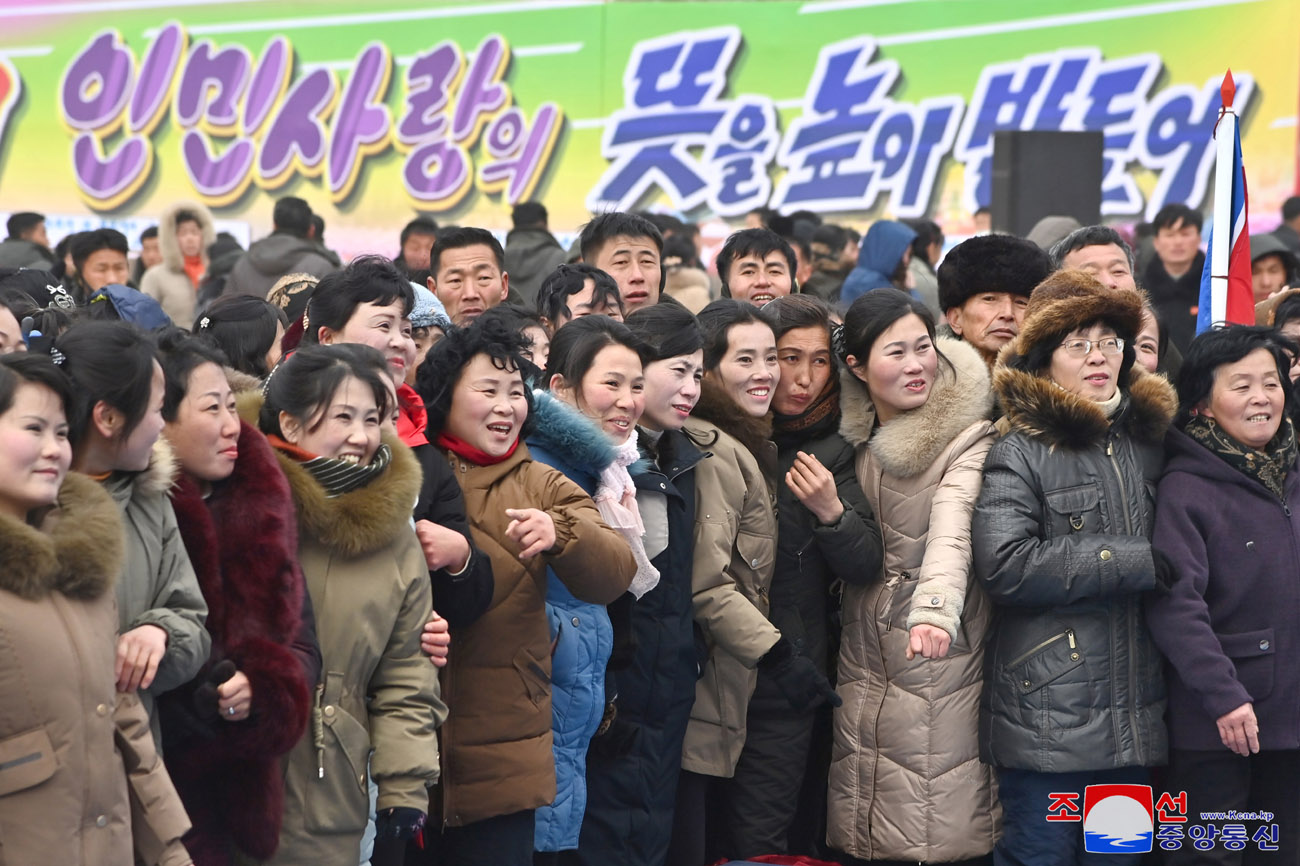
1083	348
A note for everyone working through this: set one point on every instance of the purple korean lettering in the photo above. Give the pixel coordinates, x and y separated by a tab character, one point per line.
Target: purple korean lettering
429	82
269	84
296	136
157	72
362	123
219	178
211	87
482	94
519	155
437	174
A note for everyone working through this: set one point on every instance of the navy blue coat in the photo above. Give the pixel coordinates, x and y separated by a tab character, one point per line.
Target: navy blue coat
1230	627
631	791
581	635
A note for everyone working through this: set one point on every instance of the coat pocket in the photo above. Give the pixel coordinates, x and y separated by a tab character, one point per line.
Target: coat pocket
336	800
758	553
1253	656
26	760
1075	509
536	680
1052	695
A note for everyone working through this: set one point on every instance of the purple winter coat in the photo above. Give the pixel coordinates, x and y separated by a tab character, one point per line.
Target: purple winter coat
1230	627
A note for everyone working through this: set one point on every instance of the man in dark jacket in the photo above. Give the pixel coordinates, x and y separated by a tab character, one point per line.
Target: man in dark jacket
27	245
532	252
1289	231
289	249
1173	279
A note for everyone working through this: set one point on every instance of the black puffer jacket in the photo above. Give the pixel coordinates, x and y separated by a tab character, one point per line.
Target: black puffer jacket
1061	542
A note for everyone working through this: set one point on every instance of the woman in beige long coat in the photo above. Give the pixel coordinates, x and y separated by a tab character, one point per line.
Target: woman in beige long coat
906	782
80	782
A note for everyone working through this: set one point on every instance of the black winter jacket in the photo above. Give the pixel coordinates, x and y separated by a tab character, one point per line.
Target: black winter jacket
461	598
1061	542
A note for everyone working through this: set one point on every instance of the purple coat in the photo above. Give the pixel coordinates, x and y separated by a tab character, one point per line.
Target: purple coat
1230	628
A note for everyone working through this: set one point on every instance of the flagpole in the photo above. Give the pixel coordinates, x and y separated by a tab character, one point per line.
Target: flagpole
1221	242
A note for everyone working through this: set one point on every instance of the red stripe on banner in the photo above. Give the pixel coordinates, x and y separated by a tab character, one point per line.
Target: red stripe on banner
1240	308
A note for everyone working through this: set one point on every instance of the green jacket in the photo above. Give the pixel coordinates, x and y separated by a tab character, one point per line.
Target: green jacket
158	586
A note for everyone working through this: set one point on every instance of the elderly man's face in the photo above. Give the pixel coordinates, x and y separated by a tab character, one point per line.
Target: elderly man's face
1106	263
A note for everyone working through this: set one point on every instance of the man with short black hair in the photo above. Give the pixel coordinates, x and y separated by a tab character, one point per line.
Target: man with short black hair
574	291
28	246
1289	231
833	257
468	273
289	249
629	248
100	259
984	286
532	252
756	266
1173	279
417	240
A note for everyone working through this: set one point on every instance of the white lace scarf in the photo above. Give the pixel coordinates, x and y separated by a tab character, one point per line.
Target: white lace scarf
616	500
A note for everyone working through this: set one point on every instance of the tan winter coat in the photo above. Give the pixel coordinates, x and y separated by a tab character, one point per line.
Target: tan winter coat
497	745
166	282
378	697
735	551
906	782
79	776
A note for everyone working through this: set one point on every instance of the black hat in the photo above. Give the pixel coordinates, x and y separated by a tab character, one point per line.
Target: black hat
991	263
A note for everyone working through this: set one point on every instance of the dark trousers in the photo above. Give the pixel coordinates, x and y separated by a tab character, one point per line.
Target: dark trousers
1029	839
1219	780
692	839
766	793
506	840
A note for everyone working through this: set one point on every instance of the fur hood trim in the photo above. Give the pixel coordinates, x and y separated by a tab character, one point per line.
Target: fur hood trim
167	243
569	434
162	471
1041	409
242	383
77	550
909	444
364	520
717	408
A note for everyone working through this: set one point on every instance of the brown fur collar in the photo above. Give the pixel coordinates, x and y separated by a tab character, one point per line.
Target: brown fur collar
364	520
241	382
718	409
1038	407
910	443
77	550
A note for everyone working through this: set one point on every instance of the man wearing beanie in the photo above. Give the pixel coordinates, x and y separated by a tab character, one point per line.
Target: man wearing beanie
984	285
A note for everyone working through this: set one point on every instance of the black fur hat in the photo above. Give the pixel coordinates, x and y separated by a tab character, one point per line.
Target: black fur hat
991	263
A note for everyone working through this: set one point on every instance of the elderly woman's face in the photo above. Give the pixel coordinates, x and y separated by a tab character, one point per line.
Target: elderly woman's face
1291	330
1247	399
1087	362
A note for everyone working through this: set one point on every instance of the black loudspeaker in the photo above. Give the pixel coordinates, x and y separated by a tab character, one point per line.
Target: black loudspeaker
1038	174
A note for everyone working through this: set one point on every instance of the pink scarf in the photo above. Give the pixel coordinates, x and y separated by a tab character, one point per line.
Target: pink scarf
616	500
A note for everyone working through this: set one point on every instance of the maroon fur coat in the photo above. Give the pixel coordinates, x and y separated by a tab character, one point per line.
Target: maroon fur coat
242	541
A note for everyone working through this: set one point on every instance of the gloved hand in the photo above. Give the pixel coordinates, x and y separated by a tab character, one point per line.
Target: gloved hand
398	823
1166	573
799	680
205	696
617	739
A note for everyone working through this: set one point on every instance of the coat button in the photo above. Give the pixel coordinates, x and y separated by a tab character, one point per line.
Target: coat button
1074	657
102	709
1250	545
753	563
575	621
663	486
1105	556
101	821
1264	644
936	601
1027	684
329	711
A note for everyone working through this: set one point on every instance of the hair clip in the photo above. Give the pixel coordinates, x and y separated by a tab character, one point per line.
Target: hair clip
57	357
204	322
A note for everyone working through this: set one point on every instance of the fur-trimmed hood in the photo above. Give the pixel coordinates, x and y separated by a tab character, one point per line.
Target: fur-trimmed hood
1038	407
911	442
717	408
568	434
167	243
364	520
154	480
77	550
241	383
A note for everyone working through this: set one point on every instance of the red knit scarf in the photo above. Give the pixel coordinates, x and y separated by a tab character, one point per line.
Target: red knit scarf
468	452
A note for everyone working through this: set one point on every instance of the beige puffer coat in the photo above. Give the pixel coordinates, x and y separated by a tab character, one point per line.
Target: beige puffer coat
906	782
378	701
80	782
735	551
166	282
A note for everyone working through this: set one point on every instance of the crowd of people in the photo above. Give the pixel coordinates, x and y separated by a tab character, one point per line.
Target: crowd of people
520	555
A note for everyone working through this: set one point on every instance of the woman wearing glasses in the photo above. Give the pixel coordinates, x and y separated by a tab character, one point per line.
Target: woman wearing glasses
1073	693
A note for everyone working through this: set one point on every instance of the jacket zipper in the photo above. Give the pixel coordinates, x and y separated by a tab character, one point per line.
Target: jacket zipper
1034	650
1130	613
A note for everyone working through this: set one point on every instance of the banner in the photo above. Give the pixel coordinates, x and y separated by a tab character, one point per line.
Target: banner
851	108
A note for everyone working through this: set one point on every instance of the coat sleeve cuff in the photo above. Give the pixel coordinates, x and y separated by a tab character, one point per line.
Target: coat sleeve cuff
940	608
